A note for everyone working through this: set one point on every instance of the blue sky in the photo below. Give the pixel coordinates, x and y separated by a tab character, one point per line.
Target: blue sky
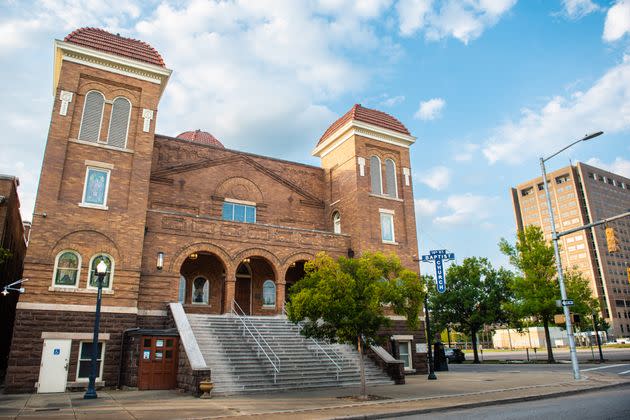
487	86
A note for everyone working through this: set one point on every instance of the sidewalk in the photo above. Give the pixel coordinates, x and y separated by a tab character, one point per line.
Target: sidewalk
418	395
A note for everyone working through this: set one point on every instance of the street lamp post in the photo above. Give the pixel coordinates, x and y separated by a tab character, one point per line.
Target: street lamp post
554	237
101	270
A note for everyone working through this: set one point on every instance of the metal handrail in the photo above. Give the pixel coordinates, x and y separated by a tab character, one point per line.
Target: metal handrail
276	367
299	325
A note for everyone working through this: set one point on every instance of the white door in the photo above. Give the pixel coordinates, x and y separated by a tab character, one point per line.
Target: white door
53	372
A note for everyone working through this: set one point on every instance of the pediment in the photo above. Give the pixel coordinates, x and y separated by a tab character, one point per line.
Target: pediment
165	174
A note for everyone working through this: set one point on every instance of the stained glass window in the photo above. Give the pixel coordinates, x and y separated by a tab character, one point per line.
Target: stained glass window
96	184
269	293
67	269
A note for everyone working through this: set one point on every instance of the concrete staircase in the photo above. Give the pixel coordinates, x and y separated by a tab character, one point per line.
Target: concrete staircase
238	365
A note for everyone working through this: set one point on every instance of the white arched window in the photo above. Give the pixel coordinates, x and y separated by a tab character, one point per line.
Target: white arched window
181	295
109	275
200	291
390	179
375	175
119	123
92	117
269	293
336	222
67	267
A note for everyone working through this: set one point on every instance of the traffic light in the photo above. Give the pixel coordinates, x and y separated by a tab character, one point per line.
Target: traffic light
628	270
611	240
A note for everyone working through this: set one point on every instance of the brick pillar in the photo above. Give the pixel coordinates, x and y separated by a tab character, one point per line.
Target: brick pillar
280	295
229	288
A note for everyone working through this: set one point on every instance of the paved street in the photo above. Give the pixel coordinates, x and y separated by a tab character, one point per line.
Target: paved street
610	354
606	404
611	368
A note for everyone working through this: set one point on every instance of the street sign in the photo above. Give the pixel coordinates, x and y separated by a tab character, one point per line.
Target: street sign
439	275
567	302
438	252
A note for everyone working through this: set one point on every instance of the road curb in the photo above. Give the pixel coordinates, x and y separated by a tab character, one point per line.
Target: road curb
465	406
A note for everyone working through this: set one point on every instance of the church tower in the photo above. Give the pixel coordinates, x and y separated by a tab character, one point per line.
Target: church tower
92	198
365	155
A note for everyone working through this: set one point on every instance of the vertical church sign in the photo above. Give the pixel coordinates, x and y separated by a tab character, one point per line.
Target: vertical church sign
437	256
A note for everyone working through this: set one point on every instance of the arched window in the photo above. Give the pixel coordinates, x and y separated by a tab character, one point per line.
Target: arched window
67	267
390	178
92	116
200	291
109	275
181	295
375	175
336	222
119	123
269	293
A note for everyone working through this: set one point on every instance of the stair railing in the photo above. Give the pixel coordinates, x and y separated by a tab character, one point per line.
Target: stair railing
260	341
319	347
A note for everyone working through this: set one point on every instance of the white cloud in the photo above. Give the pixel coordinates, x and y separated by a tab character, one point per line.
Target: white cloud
605	106
426	207
465	152
437	178
430	110
466	209
619	166
390	101
463	20
617	21
577	9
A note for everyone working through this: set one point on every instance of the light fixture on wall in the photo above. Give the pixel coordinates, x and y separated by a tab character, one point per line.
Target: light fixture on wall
193	256
292	264
246	260
160	260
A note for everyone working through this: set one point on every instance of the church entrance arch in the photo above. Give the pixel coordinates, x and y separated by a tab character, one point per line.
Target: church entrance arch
255	287
202	283
295	273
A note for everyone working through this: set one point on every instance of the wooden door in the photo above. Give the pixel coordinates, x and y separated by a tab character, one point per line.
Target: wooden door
242	294
158	363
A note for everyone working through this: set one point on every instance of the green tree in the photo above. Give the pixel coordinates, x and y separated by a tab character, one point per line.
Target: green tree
5	254
476	296
344	300
535	289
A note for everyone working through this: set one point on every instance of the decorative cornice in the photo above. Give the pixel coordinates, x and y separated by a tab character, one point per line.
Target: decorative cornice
110	62
371	131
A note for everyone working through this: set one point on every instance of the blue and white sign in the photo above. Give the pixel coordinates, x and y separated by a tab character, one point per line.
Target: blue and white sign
56	352
437	255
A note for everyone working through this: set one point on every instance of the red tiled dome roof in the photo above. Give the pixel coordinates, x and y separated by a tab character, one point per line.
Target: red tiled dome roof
367	115
199	136
102	40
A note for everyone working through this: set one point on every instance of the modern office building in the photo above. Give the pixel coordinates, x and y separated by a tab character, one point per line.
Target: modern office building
582	194
197	238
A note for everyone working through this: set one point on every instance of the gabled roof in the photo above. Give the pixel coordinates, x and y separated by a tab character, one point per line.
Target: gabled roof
102	40
369	116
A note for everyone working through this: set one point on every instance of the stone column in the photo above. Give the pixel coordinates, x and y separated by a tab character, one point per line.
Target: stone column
280	295
229	288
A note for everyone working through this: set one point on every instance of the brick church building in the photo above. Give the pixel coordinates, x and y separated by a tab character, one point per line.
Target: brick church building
184	225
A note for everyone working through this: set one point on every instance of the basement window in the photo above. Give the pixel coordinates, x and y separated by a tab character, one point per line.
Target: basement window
84	366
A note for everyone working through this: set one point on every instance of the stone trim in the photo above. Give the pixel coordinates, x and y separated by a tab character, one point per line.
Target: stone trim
151	312
187	337
73	336
101	145
76	308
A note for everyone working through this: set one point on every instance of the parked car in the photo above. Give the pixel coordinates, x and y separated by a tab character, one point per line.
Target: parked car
454	355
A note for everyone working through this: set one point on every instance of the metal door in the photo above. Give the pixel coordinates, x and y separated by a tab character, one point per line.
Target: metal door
53	371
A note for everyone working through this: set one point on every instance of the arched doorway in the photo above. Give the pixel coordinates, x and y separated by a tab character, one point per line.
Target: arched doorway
255	288
202	283
295	273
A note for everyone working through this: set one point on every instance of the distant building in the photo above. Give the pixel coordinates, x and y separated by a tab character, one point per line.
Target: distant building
580	195
13	238
183	222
